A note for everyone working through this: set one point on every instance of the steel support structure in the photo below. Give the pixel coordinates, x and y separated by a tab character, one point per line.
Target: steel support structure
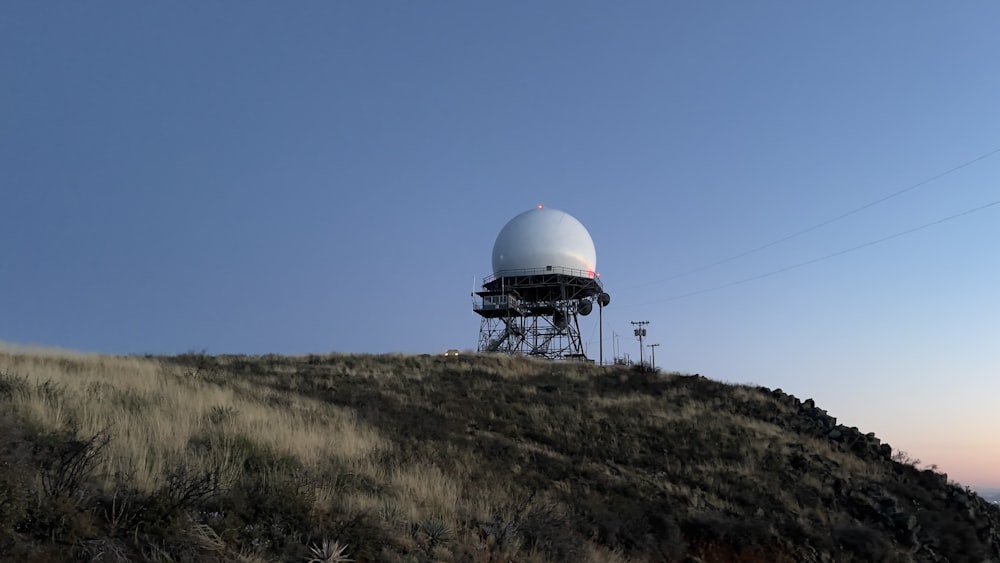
535	312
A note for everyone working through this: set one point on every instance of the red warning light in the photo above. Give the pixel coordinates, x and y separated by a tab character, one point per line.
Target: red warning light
591	274
539	205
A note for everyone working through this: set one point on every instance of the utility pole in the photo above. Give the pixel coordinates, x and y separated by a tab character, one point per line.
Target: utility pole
652	350
600	332
641	333
602	301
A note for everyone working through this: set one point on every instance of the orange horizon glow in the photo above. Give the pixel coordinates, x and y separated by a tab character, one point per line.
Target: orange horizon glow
968	465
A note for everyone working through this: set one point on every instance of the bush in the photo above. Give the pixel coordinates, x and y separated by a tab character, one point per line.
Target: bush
65	466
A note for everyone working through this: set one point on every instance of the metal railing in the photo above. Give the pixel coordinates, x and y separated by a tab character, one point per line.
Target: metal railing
540	272
499	302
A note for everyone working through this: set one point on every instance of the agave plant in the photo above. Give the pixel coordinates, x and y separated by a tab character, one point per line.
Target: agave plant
329	552
436	531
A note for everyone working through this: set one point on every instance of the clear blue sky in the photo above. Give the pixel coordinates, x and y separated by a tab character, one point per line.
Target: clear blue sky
255	177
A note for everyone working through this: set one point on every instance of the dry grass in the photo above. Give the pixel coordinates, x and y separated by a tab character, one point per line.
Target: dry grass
155	411
421	458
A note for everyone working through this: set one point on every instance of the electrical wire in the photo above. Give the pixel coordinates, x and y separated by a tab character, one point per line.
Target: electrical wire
820	224
821	258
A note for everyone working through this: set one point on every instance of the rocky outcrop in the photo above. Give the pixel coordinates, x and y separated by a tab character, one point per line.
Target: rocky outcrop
916	507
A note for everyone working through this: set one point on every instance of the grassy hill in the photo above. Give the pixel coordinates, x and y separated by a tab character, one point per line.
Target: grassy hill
466	459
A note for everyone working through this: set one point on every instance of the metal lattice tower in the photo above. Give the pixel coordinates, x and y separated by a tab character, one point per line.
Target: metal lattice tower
535	312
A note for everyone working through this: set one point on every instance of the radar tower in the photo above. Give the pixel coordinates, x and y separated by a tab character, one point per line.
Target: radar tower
543	280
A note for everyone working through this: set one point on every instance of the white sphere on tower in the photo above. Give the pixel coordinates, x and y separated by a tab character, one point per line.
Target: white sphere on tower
542	238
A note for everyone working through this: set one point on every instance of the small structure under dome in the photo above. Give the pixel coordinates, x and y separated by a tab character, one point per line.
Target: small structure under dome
544	277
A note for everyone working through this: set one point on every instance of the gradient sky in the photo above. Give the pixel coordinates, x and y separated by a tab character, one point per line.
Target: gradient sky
249	177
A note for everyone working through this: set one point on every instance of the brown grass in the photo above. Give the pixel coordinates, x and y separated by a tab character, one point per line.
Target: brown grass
421	458
154	411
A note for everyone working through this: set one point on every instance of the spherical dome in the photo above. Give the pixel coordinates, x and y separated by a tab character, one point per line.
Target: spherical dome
542	237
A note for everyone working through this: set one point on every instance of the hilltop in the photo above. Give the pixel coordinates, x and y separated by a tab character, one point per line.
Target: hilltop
467	459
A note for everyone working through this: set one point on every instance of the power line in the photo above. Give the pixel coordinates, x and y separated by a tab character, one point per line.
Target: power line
822	258
822	223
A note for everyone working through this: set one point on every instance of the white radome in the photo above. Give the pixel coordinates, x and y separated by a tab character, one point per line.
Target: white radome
544	237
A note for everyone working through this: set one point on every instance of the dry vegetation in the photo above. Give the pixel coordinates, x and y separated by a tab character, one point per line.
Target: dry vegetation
473	459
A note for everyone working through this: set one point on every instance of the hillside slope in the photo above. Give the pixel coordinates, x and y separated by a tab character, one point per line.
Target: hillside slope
474	458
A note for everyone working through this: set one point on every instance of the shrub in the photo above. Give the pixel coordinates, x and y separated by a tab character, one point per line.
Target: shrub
67	462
